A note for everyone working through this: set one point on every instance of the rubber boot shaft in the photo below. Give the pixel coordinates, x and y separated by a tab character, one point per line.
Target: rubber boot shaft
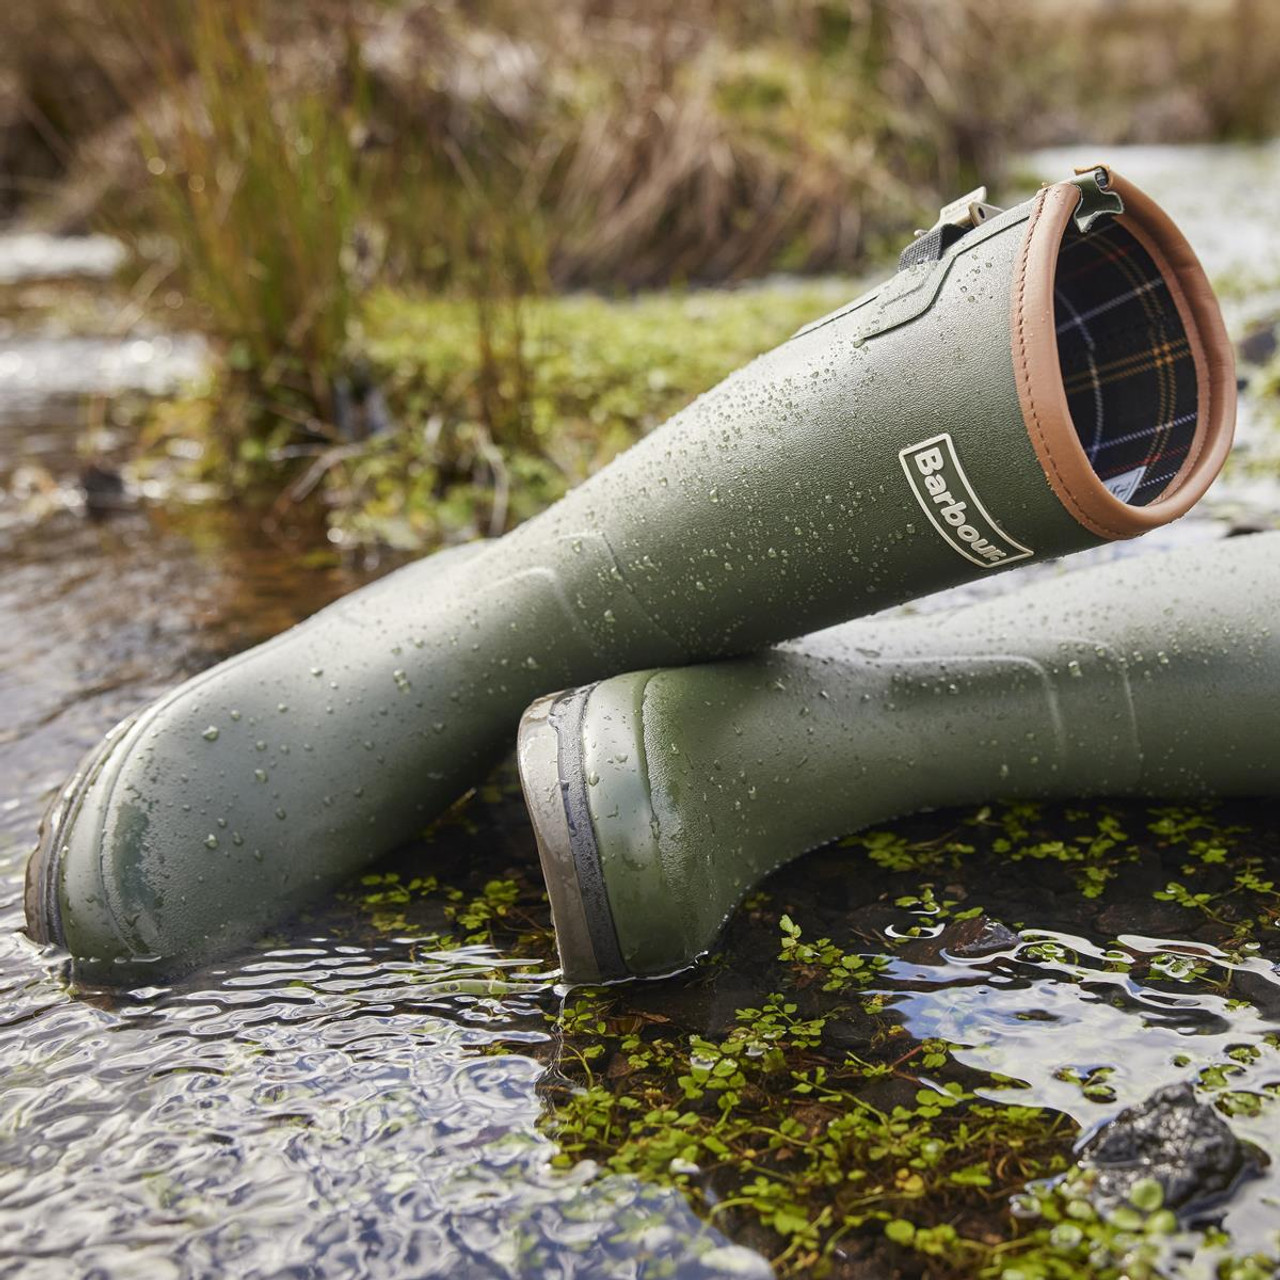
917	438
1156	676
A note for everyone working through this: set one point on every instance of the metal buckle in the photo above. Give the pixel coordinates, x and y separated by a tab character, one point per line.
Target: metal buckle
1097	200
967	212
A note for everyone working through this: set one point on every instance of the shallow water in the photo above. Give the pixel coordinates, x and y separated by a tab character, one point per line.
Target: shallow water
36	369
357	1097
34	255
321	1104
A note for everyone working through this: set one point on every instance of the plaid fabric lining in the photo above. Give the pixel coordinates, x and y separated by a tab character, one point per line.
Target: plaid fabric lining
1126	362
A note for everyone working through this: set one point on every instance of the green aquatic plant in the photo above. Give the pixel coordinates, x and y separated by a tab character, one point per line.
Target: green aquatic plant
767	1129
1224	875
840	969
816	1148
496	912
894	851
478	917
806	1120
1071	1239
1092	1083
1095	854
383	896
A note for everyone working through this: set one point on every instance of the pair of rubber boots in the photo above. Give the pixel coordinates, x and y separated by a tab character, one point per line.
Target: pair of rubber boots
1031	382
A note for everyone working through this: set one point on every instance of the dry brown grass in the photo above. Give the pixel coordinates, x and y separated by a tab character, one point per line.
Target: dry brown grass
294	154
641	140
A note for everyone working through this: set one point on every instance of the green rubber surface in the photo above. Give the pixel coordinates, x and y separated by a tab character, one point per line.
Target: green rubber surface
1158	675
775	504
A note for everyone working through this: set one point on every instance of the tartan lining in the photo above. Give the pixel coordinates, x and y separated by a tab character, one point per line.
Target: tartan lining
1126	361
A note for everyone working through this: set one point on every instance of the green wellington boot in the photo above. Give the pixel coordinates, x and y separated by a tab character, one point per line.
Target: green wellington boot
660	798
1029	383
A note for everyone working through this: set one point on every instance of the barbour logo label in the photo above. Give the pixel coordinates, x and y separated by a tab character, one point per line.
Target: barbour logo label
943	491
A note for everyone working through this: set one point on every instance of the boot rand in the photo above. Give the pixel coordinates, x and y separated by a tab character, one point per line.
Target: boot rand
661	798
1029	383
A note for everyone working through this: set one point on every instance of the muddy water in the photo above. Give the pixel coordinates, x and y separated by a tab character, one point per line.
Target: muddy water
349	1098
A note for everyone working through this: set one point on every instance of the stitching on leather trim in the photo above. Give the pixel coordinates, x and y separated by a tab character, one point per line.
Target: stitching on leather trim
1077	508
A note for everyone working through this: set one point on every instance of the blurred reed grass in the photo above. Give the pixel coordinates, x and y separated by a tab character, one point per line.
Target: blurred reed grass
257	194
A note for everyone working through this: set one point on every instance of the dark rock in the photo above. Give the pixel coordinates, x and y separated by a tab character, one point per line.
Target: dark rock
1243	528
1261	989
962	940
1172	1138
1260	345
977	936
103	489
852	1033
1133	915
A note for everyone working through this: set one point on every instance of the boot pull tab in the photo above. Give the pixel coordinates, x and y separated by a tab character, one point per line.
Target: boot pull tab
1097	200
954	220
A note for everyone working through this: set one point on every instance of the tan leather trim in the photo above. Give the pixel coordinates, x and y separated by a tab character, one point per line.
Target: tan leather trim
1038	374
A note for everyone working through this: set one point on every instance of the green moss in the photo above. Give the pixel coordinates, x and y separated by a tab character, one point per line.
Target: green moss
490	429
494	411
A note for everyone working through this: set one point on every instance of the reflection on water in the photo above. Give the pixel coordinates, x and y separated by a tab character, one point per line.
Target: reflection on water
35	255
324	1104
1127	1017
36	368
348	1098
330	1100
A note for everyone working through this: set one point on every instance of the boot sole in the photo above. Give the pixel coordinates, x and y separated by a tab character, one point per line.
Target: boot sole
41	899
549	745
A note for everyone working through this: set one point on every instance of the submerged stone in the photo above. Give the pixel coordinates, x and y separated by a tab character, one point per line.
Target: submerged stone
1172	1138
1259	345
977	936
